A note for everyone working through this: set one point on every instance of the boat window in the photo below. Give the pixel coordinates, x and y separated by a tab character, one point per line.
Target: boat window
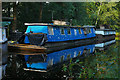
93	30
62	31
2	33
68	31
79	53
75	31
84	51
89	30
68	56
75	54
50	30
84	30
89	50
79	31
93	49
62	58
50	62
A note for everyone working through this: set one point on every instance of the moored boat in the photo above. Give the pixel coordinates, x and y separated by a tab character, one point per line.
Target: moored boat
50	35
3	29
3	37
105	34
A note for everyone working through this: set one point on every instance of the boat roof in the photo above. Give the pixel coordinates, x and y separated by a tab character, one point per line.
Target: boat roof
51	24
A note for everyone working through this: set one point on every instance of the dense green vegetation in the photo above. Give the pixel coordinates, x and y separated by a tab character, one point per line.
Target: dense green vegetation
81	13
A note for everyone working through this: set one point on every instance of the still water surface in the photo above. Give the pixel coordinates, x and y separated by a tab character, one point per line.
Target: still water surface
89	61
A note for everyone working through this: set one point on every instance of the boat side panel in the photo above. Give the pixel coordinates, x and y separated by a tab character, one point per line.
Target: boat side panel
105	32
60	37
57	36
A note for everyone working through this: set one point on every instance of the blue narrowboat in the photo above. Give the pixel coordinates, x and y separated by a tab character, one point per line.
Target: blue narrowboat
43	63
56	35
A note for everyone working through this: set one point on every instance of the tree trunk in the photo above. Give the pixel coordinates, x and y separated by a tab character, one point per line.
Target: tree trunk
14	16
8	10
0	12
41	7
98	14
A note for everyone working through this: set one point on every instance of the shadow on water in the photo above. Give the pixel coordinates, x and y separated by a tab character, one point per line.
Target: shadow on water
89	61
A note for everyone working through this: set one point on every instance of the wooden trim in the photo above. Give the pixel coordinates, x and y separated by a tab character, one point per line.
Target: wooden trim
26	46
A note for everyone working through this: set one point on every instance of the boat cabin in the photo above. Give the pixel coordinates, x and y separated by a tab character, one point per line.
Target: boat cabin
105	30
58	33
3	28
3	31
105	33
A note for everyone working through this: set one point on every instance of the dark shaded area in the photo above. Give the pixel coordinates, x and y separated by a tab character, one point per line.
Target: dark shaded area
77	13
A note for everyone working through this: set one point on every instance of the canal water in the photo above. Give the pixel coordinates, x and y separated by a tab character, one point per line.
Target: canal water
96	61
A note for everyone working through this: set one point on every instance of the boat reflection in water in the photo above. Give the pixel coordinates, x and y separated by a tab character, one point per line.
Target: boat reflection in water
44	62
3	59
105	45
50	65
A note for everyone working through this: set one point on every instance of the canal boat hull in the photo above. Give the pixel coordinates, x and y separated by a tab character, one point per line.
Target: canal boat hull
103	35
48	47
104	38
69	43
